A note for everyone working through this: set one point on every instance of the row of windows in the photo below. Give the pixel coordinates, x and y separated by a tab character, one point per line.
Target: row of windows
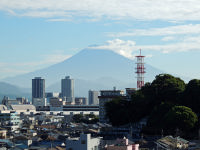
4	119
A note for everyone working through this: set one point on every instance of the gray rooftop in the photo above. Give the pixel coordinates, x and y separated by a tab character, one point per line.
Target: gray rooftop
23	107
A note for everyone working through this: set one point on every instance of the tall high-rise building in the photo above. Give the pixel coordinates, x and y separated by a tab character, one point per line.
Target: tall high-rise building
93	97
38	87
67	88
38	92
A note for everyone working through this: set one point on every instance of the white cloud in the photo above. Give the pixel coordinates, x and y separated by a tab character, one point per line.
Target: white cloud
127	48
59	20
43	14
168	38
171	30
186	44
171	10
124	48
195	39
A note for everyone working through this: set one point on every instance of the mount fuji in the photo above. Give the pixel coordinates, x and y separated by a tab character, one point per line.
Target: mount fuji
91	69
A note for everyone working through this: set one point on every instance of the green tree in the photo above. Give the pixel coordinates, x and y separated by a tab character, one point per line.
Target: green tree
78	118
117	111
156	118
191	96
166	87
153	99
139	107
180	117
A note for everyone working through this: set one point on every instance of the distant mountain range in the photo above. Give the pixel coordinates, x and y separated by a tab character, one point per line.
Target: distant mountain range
91	69
13	91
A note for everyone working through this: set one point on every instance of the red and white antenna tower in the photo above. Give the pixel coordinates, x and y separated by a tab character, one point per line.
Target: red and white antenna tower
140	70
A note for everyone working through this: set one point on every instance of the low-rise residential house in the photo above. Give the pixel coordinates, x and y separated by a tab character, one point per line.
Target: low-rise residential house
123	144
169	142
6	143
56	118
23	139
3	133
28	120
135	147
39	117
85	142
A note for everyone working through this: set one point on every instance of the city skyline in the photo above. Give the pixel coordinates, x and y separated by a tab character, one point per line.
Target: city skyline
38	34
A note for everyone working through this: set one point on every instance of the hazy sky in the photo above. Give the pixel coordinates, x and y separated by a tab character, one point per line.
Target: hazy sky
37	33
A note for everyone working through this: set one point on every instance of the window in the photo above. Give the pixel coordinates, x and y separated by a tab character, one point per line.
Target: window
83	142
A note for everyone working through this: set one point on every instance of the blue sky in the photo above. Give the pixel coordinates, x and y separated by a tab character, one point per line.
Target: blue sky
35	33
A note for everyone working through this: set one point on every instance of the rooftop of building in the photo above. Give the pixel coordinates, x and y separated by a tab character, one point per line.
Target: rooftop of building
23	107
81	136
3	107
38	78
169	141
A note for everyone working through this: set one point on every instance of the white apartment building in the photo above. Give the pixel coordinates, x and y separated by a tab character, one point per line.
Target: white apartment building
10	120
85	142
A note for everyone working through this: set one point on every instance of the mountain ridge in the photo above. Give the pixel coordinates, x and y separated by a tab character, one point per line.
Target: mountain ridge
89	66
